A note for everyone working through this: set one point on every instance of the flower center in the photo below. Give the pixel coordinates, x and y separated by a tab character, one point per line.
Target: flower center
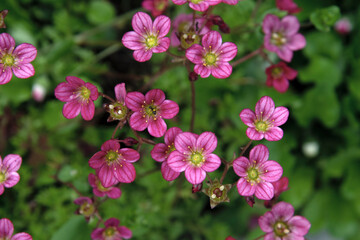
278	39
170	149
87	209
188	38
253	174
261	126
151	110
276	72
281	229
117	110
151	41
210	59
84	93
100	187
8	60
196	1
109	231
2	177
197	158
159	5
111	156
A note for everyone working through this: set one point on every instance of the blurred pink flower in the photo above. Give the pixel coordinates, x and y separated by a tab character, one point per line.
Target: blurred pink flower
38	92
7	230
213	56
112	231
148	37
161	152
156	7
288	5
282	37
8	171
231	2
278	75
79	97
15	60
257	173
198	5
265	120
280	223
100	191
194	155
114	164
149	111
87	207
343	26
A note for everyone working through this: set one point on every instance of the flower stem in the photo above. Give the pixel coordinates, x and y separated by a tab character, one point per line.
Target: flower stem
119	125
245	148
107	97
247	57
227	166
258	238
193	106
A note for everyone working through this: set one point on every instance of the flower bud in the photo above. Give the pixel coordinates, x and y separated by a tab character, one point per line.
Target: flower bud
38	92
217	192
129	141
343	26
3	14
197	187
193	76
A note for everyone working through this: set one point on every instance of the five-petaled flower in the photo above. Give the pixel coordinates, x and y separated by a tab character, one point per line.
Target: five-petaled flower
265	121
15	60
213	56
148	37
257	173
86	207
7	230
288	5
282	37
149	111
198	5
194	155
161	152
280	223
8	171
99	190
79	97
114	164
156	7
118	109
278	75
112	231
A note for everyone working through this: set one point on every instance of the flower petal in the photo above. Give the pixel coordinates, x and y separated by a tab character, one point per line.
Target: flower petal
158	153
97	160
65	92
12	162
12	179
75	81
185	142
177	161
264	191
195	54
206	142
296	42
162	26
94	93
299	225
281	84
248	117
1	189
267	221
110	145
280	116
290	25
125	232
223	70
170	135
201	7
272	171
24	70
138	122
71	109
5	75
157	128
7	42
120	92
284	53
135	100
114	193
106	176
264	108
163	45
126	173
271	23
253	134
240	165
274	134
25	53
227	51
21	236
112	222
6	226
202	70
154	96
88	110
133	40
212	41
142	23
212	162
259	153
167	173
245	188
142	55
97	233
129	155
195	175
283	210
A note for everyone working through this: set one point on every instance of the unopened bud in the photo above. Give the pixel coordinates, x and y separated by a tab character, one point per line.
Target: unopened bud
3	14
38	92
193	76
343	26
196	187
217	20
129	141
224	28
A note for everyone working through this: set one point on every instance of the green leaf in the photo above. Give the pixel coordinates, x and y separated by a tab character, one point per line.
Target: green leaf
67	173
75	228
317	44
324	18
100	12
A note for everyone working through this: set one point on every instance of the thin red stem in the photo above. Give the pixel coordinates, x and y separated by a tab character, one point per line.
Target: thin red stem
247	57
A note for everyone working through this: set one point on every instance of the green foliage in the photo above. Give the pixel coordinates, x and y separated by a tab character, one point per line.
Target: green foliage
324	18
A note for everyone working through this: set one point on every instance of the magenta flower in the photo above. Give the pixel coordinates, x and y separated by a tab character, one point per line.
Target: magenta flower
230	2
282	37
257	173
148	37
100	191
265	120
87	207
7	230
79	97
149	111
8	171
343	26
280	223
114	164
213	56
112	231
198	5
194	155
288	5
278	75
161	152
156	7
118	110
15	60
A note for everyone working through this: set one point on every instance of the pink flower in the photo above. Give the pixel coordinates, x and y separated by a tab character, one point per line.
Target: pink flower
161	152
118	110
265	120
278	75
185	34
343	26
112	231
87	207
38	92
100	191
7	230
8	171
156	7
79	97
15	60
213	56
231	2
280	223
198	5
148	37
282	37
114	164
287	5
149	111
257	173
194	155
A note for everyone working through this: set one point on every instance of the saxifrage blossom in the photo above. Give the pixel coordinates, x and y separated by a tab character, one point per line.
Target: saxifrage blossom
198	5
101	191
257	173
112	231
288	5
194	155
156	7
343	26
280	223
118	110
213	56
147	37
281	36
7	230
8	171
161	152
79	97
86	207
150	111
278	75
15	60
265	121
114	164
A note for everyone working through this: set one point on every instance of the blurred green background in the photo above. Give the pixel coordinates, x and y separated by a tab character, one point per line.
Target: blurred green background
319	152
